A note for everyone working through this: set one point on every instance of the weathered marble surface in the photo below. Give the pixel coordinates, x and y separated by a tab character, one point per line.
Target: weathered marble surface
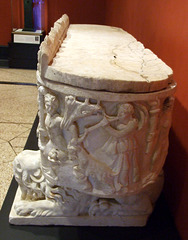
93	56
101	153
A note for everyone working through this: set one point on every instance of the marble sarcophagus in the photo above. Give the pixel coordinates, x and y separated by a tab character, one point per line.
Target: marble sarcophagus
105	106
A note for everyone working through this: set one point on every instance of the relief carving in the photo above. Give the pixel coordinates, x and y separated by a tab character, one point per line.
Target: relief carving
161	148
89	160
104	120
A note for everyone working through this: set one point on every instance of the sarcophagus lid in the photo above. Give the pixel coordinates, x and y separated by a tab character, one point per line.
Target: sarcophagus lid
106	58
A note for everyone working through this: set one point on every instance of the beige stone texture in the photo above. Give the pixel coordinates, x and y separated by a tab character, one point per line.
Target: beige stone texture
18	75
18	103
5	179
18	109
7	154
12	130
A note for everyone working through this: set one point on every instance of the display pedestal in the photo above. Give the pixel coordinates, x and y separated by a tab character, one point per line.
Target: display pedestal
24	48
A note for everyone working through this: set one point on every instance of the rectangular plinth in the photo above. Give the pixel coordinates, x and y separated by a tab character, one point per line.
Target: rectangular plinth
75	221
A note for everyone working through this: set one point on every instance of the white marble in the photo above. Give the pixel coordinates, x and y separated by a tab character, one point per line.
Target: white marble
120	221
101	153
93	56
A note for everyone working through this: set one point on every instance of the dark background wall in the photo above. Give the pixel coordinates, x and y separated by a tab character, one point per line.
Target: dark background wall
162	27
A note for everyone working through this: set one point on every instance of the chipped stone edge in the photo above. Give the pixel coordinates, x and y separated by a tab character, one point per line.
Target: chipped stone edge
51	43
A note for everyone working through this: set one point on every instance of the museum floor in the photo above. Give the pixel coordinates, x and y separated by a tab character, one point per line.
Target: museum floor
18	109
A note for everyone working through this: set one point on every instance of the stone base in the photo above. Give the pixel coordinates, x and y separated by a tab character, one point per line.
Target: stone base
125	221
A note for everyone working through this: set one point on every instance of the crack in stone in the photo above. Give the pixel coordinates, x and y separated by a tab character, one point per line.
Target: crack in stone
115	56
17	136
12	147
142	66
142	63
141	72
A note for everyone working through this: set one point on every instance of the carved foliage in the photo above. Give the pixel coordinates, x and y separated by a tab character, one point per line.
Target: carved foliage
117	147
97	147
89	151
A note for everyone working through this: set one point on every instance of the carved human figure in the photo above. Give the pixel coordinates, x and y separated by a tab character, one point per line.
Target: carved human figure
53	143
93	173
122	146
55	149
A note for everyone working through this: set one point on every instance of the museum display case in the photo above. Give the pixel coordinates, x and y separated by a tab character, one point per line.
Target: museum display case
27	32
